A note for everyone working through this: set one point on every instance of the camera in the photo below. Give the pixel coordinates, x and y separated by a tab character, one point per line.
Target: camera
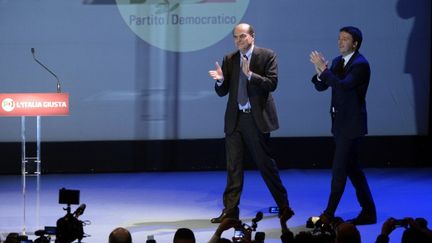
312	222
69	227
319	228
240	232
401	223
238	235
45	234
421	223
318	225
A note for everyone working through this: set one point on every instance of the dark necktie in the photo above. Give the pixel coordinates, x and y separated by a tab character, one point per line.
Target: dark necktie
242	96
339	69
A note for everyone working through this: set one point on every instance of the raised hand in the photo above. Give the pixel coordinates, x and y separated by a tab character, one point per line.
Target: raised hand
319	61
245	66
217	73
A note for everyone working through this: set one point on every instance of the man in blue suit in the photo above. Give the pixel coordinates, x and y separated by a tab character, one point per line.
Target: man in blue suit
348	77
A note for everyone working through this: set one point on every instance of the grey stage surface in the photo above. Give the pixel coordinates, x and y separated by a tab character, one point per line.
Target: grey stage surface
158	203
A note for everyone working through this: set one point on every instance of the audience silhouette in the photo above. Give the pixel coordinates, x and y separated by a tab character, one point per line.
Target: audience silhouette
184	235
416	230
120	235
337	231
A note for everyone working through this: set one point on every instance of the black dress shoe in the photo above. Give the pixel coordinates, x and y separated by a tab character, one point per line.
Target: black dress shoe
325	219
286	213
233	214
364	218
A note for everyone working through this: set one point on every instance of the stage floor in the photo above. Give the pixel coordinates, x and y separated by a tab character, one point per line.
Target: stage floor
156	203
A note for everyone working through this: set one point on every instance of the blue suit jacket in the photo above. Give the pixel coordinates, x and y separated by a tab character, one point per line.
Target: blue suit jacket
349	89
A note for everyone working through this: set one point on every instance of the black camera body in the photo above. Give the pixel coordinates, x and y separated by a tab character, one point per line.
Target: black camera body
323	229
240	232
45	234
69	227
239	235
318	225
401	223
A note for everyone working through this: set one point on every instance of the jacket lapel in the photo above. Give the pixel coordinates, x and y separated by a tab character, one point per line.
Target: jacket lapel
354	56
236	72
254	58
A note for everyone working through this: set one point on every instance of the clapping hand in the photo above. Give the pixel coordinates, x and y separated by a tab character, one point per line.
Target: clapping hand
319	61
245	66
217	73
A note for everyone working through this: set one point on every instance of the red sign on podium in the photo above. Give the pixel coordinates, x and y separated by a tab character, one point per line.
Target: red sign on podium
34	104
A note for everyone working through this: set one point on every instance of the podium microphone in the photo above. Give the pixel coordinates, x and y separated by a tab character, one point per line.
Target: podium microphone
58	81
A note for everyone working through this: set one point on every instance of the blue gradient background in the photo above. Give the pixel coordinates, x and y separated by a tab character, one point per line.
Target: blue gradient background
122	88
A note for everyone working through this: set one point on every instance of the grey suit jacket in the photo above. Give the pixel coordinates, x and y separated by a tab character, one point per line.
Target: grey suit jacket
263	81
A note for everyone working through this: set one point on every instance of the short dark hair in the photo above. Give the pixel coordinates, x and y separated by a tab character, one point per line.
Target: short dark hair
355	33
346	232
184	234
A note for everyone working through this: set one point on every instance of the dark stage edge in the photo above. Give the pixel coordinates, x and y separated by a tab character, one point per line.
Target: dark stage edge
209	154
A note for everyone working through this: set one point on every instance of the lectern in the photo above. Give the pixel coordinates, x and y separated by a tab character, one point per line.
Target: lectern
32	105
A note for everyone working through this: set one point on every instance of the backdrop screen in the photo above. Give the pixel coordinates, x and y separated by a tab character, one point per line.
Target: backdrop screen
138	70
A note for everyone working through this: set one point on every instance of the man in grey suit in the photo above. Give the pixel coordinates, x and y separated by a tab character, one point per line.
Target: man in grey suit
348	77
249	75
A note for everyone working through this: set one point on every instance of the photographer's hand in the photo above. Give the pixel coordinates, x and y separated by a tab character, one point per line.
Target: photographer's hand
386	229
388	226
418	225
411	223
226	224
248	235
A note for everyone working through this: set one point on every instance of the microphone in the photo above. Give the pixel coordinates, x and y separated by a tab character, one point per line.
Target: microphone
258	217
79	211
58	81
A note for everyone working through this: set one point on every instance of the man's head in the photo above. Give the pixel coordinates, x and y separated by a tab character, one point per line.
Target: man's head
347	233
120	235
244	36
184	235
350	39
